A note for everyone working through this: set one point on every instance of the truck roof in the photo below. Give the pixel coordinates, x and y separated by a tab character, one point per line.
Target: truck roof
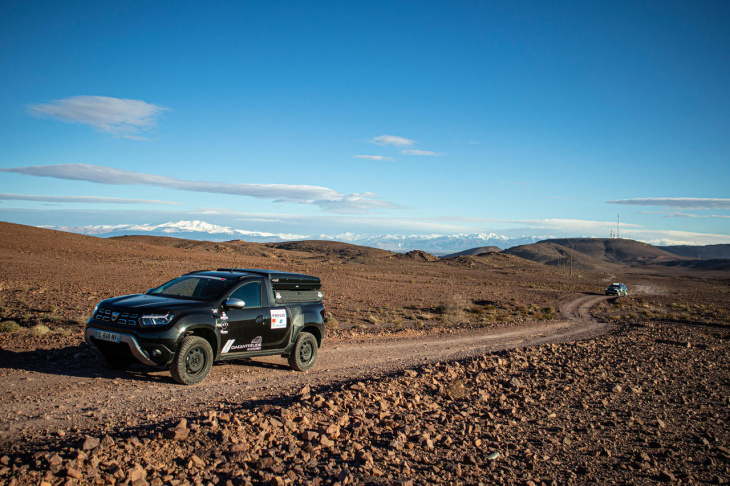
272	274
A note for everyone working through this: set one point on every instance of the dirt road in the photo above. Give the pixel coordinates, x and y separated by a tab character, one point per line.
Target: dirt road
47	396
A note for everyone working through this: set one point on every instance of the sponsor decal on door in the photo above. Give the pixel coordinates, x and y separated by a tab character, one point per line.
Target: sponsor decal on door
278	318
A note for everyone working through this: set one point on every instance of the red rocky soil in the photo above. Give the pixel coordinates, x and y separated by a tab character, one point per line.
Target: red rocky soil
511	382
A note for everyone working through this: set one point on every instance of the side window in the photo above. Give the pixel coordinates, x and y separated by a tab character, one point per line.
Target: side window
250	293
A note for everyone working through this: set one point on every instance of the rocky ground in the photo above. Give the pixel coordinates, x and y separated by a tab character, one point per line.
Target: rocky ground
646	403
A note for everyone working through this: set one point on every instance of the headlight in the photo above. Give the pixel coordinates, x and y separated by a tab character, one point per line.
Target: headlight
156	319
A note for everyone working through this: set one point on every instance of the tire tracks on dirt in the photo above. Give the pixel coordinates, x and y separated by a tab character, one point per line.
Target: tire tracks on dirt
39	403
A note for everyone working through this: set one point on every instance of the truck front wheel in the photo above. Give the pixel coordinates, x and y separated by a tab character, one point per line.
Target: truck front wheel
193	361
304	353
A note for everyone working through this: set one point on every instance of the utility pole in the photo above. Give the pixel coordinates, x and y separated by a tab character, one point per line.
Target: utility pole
618	225
571	261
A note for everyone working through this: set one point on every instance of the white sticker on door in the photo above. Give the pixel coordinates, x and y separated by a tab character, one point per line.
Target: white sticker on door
278	318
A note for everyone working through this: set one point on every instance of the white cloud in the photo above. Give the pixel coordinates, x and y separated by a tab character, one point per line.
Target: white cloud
117	116
687	215
373	157
677	202
327	199
547	223
420	152
393	140
80	199
672	237
569	224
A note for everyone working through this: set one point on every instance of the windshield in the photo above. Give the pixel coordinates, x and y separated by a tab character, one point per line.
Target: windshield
198	287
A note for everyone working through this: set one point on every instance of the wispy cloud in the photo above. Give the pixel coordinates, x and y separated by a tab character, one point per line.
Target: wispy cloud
677	202
373	157
420	152
547	223
393	140
117	116
325	198
687	215
80	199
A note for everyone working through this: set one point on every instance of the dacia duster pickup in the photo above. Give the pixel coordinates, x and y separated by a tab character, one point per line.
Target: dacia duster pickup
231	313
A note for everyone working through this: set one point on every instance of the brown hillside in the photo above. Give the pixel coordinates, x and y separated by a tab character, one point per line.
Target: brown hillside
334	249
418	255
555	255
482	250
618	250
56	278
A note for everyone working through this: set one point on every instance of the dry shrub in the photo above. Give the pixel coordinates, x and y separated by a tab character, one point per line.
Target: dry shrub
331	322
9	326
454	305
39	330
475	309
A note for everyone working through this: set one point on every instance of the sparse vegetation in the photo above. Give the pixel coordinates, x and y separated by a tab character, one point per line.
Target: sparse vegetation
331	322
9	326
39	330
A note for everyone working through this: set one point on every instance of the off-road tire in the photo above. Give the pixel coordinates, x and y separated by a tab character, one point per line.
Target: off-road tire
115	361
192	362
304	353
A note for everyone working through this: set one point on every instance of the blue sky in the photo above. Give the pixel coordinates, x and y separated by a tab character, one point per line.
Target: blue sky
370	117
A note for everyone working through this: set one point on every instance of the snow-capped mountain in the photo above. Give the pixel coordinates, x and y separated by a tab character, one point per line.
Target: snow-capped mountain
442	244
201	230
194	230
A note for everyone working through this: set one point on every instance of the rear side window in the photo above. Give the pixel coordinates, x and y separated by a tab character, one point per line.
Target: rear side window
250	293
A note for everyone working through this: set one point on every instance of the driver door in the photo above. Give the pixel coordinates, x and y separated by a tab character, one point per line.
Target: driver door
247	327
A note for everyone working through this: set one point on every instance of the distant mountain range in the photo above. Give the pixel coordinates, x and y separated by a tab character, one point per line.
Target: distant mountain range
194	230
439	245
201	230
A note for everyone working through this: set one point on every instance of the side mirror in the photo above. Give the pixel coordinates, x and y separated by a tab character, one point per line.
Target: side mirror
234	303
149	290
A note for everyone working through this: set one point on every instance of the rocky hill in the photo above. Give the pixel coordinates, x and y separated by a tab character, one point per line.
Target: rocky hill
706	252
593	254
480	250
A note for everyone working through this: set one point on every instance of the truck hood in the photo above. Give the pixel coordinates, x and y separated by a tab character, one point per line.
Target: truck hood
145	302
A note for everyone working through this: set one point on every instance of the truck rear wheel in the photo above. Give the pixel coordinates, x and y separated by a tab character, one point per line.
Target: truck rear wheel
193	361
304	353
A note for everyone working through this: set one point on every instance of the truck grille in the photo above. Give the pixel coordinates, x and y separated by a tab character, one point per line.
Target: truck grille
115	317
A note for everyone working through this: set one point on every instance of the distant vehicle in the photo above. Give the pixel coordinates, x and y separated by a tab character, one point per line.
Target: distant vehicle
618	289
193	320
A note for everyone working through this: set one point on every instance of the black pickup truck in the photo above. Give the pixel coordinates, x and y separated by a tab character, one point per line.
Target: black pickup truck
205	316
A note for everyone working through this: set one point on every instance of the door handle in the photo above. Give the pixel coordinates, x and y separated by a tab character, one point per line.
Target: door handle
260	320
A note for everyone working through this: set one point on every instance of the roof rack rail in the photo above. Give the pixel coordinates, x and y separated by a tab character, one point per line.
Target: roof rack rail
245	270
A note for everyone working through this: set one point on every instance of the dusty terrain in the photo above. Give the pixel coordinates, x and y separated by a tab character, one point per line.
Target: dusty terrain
486	368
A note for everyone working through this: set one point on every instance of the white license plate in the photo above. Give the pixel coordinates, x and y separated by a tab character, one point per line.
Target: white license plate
107	336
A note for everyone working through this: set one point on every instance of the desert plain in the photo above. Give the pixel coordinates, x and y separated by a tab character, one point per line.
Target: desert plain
501	368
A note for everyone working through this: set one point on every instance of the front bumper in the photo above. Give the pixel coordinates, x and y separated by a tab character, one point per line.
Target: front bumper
158	356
